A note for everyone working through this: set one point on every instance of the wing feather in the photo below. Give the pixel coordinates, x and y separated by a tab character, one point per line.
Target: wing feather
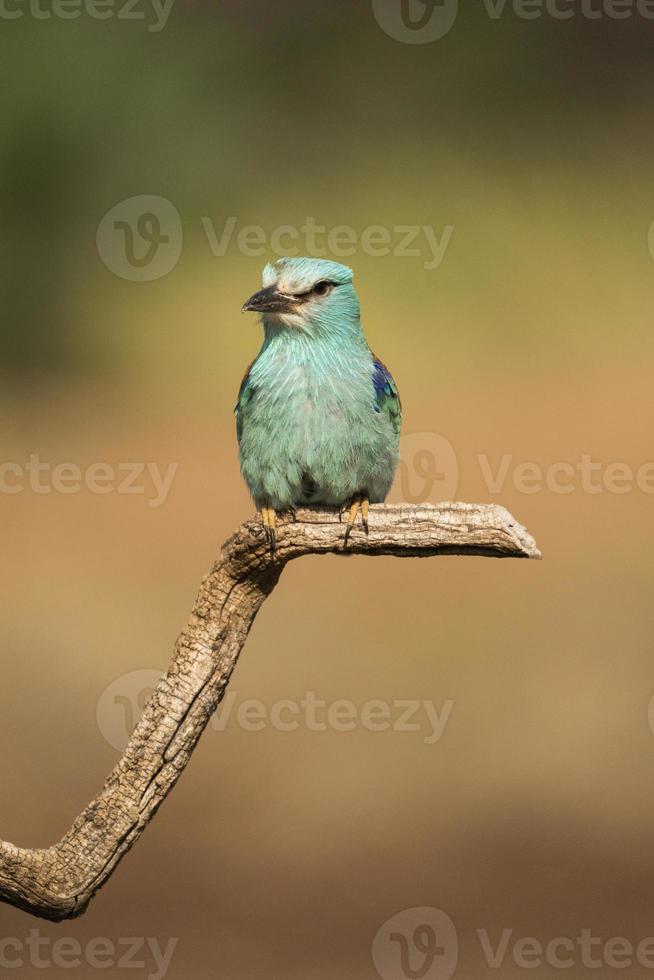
387	397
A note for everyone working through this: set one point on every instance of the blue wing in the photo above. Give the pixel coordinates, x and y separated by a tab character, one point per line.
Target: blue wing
387	397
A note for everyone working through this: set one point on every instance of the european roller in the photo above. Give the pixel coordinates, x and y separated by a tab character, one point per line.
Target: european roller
318	415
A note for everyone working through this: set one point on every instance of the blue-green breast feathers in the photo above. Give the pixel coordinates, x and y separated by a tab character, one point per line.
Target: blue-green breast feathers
384	392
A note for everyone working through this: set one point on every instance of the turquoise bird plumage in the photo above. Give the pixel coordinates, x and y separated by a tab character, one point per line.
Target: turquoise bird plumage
318	415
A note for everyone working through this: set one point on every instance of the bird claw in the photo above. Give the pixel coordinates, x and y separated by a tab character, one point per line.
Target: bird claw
359	504
269	518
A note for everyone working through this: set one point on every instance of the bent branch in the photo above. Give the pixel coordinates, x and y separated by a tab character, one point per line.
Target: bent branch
59	882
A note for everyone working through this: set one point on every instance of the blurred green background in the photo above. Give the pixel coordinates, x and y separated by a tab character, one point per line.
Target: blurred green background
283	853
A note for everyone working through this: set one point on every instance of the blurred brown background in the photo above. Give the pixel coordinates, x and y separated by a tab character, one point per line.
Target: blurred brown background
281	854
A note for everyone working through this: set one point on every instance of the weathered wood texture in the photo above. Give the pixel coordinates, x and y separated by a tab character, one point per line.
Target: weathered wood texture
59	882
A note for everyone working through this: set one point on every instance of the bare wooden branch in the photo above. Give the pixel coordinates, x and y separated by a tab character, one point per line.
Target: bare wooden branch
59	882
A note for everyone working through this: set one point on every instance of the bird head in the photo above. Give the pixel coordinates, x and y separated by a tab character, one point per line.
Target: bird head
313	295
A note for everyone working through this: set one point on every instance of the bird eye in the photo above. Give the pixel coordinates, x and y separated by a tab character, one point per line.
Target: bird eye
322	288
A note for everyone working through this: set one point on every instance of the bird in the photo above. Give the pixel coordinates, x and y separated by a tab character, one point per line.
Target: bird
318	415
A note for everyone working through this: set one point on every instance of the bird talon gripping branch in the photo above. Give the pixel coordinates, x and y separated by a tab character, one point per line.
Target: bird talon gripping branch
359	505
269	519
318	415
365	506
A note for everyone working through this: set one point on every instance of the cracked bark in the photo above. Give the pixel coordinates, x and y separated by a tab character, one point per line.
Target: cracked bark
58	882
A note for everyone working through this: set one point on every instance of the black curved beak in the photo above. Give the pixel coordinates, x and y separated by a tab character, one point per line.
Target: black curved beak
269	301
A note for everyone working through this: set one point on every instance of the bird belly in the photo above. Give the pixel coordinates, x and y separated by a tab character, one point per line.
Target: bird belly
321	447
